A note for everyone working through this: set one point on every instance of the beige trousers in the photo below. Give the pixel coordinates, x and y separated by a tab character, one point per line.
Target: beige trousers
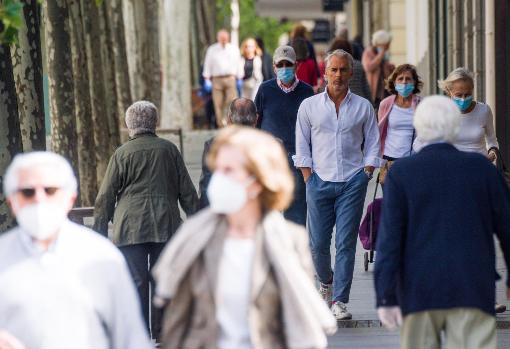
223	92
464	328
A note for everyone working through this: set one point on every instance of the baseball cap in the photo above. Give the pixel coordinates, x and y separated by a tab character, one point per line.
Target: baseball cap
284	53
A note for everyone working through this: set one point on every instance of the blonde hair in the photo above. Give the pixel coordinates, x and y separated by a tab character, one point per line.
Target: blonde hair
459	74
266	160
258	51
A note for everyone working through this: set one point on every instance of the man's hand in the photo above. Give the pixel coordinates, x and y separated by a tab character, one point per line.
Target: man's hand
391	317
307	172
370	169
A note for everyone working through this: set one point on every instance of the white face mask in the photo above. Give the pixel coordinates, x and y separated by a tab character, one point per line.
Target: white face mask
41	220
226	195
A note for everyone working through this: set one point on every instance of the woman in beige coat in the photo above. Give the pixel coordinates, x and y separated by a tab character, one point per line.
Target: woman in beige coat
238	275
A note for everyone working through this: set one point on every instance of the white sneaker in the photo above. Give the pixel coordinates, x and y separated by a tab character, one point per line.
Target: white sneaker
326	292
340	312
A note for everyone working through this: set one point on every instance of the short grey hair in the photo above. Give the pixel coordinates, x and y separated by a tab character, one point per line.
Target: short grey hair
59	166
459	74
381	37
141	117
437	119
242	111
340	54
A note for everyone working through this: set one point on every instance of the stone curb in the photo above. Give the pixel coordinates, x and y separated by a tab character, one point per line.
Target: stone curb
500	324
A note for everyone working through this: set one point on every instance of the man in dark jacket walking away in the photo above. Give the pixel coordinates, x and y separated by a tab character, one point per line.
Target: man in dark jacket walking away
145	181
241	111
436	255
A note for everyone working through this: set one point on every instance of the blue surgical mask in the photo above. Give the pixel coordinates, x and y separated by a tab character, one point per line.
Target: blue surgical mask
285	74
404	89
463	103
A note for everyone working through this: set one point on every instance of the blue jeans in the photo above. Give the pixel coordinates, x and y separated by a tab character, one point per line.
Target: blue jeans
340	204
297	209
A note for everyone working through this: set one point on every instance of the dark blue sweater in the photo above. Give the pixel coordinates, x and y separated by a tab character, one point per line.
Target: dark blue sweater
435	248
278	110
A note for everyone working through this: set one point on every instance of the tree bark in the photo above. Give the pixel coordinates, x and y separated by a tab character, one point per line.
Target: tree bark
175	57
60	76
142	45
109	79
82	105
10	137
118	40
27	68
97	92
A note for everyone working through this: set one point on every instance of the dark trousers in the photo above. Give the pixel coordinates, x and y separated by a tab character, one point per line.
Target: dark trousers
140	259
297	210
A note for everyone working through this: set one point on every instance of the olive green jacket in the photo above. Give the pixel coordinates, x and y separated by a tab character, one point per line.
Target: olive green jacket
145	179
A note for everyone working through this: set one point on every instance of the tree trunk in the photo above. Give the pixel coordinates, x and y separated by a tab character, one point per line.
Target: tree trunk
175	57
27	67
109	79
82	105
60	76
97	92
10	138
118	40
142	45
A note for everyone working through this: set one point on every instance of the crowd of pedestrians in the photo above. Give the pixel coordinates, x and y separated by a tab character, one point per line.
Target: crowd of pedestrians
290	168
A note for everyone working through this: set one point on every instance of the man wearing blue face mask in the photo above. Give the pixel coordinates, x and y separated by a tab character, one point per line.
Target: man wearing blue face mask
277	102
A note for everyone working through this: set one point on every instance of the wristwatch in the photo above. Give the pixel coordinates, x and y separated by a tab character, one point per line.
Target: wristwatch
369	174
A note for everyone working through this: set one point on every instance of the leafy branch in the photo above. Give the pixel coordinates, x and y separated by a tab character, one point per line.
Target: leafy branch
11	19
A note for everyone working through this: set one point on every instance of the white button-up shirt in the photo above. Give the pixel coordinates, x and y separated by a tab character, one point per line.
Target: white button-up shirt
330	144
222	61
77	294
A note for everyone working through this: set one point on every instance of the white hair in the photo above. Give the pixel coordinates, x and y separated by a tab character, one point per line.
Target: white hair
459	74
141	117
381	37
339	54
437	119
37	159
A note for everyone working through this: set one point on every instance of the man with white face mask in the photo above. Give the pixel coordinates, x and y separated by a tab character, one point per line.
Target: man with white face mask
61	284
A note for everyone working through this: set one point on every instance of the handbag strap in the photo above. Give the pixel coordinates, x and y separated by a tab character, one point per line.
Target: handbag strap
412	141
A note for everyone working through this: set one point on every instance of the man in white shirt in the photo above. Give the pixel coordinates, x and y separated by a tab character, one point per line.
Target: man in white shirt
61	285
337	149
221	69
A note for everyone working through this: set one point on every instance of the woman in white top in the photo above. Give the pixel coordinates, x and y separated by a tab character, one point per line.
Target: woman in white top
252	66
396	115
237	274
476	132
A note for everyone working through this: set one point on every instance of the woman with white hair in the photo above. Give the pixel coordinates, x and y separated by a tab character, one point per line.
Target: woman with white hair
476	133
376	63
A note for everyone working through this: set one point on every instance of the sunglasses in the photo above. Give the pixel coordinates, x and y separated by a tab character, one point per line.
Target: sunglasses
30	192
